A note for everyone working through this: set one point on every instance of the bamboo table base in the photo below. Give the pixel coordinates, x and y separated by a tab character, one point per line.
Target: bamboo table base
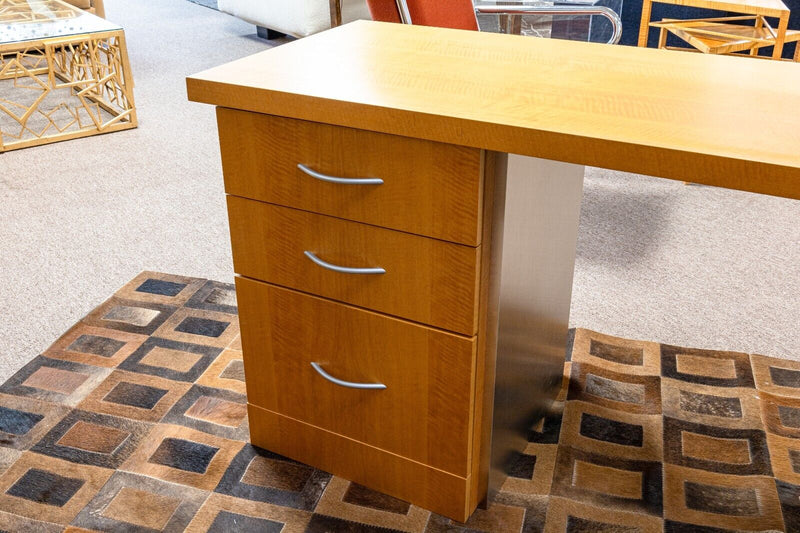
64	88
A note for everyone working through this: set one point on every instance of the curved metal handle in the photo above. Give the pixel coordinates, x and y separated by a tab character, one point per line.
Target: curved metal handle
585	10
343	270
348	384
342	181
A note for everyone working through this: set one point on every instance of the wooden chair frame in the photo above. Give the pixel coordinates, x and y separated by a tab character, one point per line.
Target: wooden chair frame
766	8
692	31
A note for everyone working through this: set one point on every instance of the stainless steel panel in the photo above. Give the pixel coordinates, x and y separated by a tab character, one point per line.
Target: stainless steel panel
539	233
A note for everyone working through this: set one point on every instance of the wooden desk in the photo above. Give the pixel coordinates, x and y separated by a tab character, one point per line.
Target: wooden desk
467	324
767	8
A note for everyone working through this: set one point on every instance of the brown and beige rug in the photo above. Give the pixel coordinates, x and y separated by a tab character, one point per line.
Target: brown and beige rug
135	421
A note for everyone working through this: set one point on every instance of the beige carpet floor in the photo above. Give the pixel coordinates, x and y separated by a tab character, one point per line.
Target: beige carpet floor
687	265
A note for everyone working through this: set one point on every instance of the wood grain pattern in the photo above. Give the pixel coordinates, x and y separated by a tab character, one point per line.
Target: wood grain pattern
426	280
408	480
486	359
429	188
633	109
424	414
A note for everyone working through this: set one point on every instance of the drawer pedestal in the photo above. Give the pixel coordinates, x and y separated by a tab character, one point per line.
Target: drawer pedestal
403	332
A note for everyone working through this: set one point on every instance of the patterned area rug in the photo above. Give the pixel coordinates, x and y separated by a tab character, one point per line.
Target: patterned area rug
135	420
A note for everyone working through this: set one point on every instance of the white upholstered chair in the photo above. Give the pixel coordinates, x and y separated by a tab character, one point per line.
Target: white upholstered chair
295	17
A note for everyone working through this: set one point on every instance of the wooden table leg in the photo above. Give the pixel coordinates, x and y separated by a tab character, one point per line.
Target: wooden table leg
759	24
644	26
782	27
99	8
127	78
662	38
516	22
336	13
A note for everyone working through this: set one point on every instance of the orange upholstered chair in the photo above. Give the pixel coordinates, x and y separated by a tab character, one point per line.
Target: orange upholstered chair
461	14
457	14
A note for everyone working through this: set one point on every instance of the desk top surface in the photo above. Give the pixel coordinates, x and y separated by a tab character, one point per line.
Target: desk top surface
725	121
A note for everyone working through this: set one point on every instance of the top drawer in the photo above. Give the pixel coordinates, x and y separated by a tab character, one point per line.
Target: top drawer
428	188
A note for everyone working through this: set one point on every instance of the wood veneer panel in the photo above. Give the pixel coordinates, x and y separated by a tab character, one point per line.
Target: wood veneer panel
424	414
633	109
426	280
495	168
429	188
421	485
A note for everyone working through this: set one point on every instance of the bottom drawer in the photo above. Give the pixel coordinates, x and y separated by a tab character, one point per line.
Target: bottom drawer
408	480
424	412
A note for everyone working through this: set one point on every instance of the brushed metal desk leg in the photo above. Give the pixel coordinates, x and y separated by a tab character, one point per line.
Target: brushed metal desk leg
539	235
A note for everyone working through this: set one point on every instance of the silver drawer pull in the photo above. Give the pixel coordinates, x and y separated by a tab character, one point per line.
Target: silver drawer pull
349	384
341	181
343	270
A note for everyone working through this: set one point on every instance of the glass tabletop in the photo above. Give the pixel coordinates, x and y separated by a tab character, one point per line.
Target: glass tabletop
34	20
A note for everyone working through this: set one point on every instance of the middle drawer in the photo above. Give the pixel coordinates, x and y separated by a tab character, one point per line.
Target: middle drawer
425	280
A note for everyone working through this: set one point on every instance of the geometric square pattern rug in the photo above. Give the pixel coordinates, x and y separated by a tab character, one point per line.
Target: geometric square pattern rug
135	420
